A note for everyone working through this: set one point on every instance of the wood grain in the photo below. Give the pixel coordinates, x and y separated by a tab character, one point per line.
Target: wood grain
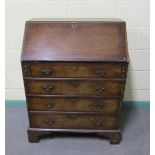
76	104
75	87
78	41
72	121
73	70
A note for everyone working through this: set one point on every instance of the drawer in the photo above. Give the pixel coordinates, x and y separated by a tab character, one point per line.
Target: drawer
75	104
75	87
72	69
72	121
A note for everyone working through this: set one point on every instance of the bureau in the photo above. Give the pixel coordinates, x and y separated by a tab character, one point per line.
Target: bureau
74	75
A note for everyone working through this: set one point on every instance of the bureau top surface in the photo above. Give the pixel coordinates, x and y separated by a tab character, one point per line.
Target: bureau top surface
75	40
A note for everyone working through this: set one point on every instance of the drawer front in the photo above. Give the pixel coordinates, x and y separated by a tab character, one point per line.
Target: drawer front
75	87
73	121
75	104
93	70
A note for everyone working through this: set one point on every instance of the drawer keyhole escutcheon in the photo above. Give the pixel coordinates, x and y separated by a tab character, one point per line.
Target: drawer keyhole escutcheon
75	83
101	72
99	106
75	26
46	71
73	117
98	122
100	89
49	122
50	105
47	87
73	99
74	68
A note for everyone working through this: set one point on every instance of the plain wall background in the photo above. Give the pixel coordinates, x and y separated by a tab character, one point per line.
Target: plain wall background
134	12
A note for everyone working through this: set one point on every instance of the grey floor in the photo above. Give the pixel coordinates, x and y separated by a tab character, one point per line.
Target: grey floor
135	131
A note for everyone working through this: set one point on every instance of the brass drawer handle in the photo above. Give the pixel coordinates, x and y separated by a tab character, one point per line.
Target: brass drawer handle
100	89
47	88
101	72
73	117
99	106
50	105
73	99
46	71
49	122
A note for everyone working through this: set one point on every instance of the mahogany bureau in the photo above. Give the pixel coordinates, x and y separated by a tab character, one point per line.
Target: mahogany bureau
74	75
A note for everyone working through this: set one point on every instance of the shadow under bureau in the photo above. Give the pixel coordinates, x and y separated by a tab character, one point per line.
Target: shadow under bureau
74	75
